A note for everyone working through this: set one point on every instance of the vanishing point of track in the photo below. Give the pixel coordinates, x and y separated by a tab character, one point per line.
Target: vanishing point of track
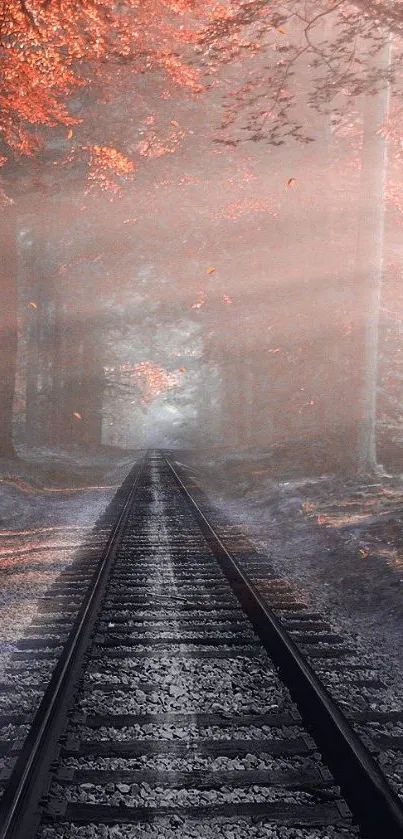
180	699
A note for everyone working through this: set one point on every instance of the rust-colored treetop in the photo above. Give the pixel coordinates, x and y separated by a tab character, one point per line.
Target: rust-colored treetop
52	50
49	49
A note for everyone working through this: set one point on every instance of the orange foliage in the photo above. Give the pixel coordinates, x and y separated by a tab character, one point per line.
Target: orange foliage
50	50
47	51
154	145
106	162
153	380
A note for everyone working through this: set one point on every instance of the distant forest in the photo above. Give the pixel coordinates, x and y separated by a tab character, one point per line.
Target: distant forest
201	240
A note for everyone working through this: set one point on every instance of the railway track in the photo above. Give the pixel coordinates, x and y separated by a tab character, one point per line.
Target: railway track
179	703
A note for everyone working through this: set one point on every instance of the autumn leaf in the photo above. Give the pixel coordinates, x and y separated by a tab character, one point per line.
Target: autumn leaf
290	182
210	270
364	553
70	134
173	122
182	369
76	415
32	305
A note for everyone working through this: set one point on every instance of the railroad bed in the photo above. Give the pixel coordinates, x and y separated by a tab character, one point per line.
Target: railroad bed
178	703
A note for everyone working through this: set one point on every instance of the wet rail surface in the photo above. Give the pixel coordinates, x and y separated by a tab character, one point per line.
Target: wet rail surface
180	704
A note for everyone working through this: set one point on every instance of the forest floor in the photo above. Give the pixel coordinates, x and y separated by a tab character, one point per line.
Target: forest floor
339	542
49	503
47	485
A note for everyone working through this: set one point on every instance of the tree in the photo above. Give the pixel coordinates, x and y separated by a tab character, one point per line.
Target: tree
338	70
8	327
47	53
50	51
369	258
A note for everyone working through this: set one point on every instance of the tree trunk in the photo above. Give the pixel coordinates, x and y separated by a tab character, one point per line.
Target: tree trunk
41	339
368	266
8	327
64	368
92	387
78	382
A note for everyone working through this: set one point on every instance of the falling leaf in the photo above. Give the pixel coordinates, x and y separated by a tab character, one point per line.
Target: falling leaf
278	349
173	122
76	415
182	369
364	553
290	182
210	270
227	298
32	304
70	134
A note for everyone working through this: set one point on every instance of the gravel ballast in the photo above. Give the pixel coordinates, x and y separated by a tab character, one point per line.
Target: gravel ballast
188	829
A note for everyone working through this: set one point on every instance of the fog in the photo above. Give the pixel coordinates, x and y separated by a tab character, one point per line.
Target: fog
200	252
228	294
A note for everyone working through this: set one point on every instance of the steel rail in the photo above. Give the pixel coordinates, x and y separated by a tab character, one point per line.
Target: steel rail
24	788
375	806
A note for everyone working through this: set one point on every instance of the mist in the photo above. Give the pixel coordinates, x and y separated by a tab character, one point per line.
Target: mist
227	294
201	254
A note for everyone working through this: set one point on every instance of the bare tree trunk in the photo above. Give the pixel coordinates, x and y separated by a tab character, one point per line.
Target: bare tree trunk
41	339
369	264
92	387
8	327
78	381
